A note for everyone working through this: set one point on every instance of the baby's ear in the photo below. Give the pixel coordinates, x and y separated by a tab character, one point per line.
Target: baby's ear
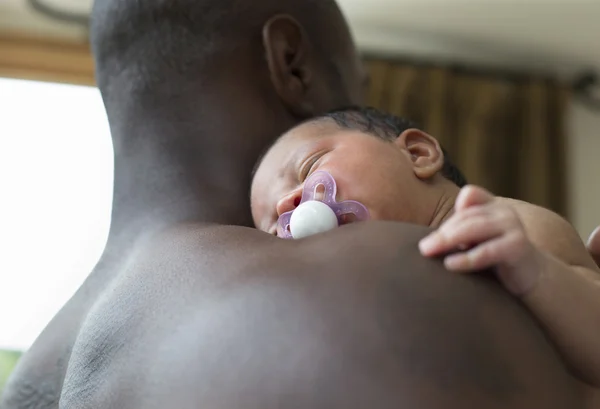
424	150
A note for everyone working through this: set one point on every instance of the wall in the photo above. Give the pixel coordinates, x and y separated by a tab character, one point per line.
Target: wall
434	48
584	168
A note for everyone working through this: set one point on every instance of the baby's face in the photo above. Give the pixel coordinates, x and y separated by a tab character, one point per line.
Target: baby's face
377	173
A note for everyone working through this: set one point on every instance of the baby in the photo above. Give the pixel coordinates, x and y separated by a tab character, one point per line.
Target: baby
400	173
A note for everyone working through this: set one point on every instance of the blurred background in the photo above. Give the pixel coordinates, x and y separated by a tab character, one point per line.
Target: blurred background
509	87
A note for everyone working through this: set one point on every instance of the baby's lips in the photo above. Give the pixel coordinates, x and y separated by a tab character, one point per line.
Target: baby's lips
347	218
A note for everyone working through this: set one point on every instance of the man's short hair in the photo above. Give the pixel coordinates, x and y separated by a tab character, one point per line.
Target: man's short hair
155	41
388	127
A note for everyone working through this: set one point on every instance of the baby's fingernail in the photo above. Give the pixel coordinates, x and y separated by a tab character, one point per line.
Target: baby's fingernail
427	244
454	261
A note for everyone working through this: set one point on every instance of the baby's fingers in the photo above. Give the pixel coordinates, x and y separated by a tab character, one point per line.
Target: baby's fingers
459	233
493	252
472	196
593	245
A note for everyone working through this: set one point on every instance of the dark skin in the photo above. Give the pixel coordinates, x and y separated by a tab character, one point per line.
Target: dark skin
183	311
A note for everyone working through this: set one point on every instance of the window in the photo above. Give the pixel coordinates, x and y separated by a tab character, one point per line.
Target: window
56	172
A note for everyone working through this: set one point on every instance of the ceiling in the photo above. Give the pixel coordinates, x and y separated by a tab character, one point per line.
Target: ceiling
560	35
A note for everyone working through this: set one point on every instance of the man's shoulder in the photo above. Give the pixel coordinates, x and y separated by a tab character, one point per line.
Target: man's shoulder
199	250
260	318
190	237
182	271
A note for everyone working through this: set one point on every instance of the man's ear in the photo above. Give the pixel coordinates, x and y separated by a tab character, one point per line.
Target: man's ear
425	152
288	56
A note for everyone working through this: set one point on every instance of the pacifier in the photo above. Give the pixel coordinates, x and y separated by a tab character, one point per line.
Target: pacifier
313	216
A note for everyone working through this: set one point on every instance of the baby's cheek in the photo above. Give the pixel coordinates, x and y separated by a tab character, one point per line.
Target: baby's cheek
376	213
257	210
387	208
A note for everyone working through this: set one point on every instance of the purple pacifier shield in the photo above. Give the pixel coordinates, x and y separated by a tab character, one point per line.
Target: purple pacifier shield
309	192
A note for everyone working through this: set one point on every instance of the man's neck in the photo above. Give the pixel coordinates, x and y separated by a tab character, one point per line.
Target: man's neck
188	164
156	187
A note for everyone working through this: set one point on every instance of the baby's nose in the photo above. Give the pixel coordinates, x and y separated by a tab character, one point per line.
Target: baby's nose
289	202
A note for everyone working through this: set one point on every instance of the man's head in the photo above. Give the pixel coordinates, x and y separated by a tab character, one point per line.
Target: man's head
396	170
196	89
296	55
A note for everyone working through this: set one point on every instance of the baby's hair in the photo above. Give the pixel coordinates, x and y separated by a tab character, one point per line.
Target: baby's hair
385	126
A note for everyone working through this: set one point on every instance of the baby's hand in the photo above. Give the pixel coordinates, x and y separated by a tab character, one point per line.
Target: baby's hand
485	232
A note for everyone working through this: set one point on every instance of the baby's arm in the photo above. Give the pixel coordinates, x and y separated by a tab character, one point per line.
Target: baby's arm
566	298
539	258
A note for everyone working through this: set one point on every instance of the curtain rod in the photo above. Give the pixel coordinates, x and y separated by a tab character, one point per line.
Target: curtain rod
54	13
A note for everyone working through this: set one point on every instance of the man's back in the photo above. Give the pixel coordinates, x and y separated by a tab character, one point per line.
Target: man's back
230	317
38	377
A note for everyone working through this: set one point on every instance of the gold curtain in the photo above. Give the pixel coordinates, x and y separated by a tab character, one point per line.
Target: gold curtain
505	134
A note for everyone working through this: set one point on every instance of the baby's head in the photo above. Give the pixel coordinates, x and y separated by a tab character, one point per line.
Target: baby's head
397	171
